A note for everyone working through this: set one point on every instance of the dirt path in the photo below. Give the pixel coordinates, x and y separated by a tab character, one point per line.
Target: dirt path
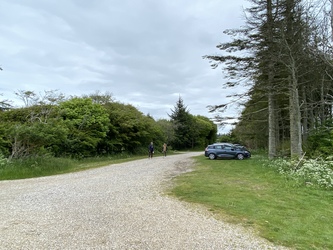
115	207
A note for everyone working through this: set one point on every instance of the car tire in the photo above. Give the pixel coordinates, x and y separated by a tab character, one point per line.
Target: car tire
211	156
240	157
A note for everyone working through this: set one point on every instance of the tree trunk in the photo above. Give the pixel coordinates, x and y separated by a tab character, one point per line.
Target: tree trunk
332	19
322	104
305	116
271	96
295	118
271	126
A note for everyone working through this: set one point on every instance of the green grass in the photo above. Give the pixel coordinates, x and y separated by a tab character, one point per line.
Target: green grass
241	192
247	193
46	166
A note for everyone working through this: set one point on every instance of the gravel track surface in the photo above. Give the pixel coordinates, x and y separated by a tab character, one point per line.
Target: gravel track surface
121	206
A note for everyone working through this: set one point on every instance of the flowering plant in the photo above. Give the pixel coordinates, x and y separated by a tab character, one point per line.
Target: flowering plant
310	172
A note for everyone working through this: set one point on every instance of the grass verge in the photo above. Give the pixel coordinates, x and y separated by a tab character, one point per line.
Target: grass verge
46	166
247	193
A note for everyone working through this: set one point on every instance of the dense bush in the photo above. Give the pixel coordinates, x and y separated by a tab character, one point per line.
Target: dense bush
83	127
320	141
3	161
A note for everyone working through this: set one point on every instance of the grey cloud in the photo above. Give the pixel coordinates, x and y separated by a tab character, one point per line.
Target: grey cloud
145	52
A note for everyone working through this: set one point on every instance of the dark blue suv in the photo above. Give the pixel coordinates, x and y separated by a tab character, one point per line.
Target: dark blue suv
227	151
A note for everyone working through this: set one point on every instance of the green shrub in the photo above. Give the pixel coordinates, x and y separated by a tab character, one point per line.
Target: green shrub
320	141
4	162
310	172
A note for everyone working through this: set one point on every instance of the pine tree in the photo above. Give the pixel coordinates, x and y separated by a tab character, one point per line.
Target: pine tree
275	41
181	119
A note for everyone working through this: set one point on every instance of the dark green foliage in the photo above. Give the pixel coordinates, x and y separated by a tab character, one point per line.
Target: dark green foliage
35	139
204	132
190	131
94	125
31	130
87	123
182	122
166	127
283	58
129	130
4	141
320	141
4	105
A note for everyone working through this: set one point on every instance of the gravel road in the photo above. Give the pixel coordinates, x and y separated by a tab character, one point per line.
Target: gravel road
121	206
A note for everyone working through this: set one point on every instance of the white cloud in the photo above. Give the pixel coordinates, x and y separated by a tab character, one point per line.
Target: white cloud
146	52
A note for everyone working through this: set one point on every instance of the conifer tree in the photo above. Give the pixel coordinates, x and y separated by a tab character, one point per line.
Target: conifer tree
182	120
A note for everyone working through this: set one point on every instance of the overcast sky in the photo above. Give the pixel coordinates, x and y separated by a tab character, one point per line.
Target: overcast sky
145	52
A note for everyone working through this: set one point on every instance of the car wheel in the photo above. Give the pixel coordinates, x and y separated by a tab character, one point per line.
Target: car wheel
240	156
211	156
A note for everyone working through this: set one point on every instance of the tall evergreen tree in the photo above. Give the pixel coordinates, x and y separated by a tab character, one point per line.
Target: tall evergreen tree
276	39
182	120
258	39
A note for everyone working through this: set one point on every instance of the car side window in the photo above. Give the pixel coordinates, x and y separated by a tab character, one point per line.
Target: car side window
218	147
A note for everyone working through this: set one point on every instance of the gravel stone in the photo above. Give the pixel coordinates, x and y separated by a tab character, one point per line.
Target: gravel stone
121	206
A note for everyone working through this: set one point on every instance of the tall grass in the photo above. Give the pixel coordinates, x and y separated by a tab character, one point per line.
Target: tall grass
33	167
254	195
45	166
48	165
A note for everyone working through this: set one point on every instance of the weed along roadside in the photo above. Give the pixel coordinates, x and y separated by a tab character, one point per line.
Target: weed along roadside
47	166
253	195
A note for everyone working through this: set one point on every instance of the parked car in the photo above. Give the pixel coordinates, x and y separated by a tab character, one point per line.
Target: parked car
227	151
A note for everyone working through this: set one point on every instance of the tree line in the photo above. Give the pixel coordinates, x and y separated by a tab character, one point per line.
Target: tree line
93	125
283	58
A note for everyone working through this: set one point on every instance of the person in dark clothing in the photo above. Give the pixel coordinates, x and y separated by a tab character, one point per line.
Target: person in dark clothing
151	150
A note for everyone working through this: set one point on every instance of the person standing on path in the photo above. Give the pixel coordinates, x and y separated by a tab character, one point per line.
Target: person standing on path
164	150
151	150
